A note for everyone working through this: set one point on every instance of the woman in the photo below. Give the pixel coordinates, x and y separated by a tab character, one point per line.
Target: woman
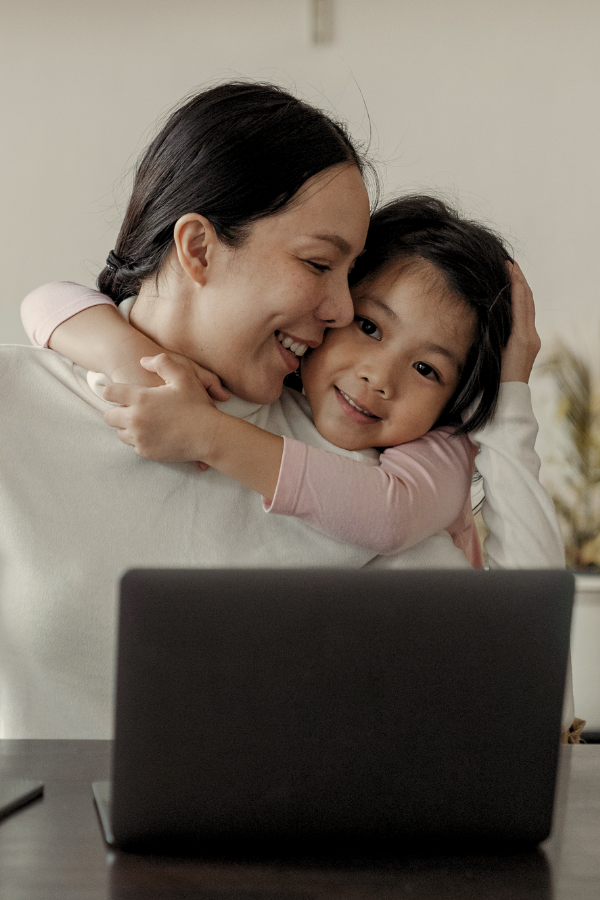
264	199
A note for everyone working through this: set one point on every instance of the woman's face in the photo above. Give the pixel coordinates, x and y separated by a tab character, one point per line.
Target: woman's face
284	286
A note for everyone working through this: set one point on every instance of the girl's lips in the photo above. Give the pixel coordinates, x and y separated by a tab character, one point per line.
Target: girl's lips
353	413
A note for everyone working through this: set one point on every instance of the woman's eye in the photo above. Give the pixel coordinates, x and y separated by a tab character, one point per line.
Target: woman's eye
318	266
368	327
426	370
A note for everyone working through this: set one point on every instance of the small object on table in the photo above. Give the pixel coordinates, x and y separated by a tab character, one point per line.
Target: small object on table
17	792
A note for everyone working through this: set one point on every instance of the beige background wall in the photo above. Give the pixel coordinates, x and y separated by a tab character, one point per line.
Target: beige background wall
497	103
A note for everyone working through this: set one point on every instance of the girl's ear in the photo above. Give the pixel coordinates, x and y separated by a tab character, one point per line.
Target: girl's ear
196	242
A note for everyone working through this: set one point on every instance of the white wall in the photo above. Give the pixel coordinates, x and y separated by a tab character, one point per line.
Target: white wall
496	102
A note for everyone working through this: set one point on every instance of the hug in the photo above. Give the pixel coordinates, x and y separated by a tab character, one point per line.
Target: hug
248	251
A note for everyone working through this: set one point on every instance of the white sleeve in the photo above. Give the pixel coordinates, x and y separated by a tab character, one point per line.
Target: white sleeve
520	516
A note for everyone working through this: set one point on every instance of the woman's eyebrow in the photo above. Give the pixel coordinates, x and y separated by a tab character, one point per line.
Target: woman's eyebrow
336	239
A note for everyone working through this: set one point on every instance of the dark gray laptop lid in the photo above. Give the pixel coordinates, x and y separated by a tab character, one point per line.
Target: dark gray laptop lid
271	704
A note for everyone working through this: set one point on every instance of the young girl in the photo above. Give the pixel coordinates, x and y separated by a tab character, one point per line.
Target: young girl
432	315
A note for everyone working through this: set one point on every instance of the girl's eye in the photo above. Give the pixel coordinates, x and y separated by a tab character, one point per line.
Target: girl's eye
318	266
426	370
368	327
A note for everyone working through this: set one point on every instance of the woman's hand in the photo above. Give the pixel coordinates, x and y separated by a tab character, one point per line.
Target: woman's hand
171	423
524	343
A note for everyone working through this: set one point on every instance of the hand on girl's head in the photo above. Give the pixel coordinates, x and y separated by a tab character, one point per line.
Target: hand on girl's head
524	343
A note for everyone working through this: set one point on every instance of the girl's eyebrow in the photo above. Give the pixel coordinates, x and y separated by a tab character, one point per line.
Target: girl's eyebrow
444	351
382	306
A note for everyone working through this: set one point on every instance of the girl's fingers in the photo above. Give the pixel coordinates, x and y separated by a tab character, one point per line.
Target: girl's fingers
116	417
166	368
214	387
175	371
125	394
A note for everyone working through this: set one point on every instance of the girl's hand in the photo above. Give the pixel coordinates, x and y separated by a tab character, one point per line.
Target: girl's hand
171	423
524	343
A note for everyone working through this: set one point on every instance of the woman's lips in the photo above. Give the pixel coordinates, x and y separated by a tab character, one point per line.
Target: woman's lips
353	413
290	359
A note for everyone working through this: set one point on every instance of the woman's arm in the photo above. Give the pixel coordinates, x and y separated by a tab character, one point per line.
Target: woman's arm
417	490
523	528
520	516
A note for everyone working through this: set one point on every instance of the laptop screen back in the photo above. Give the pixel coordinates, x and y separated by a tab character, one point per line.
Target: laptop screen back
293	704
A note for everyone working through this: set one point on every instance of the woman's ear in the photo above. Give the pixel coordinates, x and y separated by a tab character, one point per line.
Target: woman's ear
196	242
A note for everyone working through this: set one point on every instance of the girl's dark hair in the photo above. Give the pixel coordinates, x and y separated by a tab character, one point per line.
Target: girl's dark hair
235	153
472	260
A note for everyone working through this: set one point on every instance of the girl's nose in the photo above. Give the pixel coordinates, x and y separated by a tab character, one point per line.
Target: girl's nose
378	372
337	309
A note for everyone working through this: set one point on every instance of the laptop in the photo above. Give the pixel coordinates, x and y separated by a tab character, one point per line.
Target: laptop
279	707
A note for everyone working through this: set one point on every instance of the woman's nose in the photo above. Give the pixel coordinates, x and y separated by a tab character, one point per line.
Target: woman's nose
337	308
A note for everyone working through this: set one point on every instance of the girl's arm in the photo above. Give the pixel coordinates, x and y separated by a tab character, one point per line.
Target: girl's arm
417	490
87	328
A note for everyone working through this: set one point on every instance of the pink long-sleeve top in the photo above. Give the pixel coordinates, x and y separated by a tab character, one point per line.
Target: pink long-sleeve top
416	490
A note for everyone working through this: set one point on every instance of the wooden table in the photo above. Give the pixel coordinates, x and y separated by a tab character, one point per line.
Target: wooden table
54	849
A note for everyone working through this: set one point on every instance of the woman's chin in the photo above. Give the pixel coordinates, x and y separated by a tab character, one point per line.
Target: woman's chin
258	392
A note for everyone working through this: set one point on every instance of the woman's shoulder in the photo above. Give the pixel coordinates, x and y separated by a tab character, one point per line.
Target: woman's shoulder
34	375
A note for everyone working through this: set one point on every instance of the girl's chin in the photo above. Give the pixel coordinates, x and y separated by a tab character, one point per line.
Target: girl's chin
343	440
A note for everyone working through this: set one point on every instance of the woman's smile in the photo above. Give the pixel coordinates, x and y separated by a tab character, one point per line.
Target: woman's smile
292	349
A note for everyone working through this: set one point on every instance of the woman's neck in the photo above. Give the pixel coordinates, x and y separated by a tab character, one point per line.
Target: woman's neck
163	307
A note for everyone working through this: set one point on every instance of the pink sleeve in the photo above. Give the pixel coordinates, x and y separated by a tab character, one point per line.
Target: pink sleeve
463	532
417	489
48	306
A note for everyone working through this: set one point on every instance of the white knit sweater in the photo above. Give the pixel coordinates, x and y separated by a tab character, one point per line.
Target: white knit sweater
79	508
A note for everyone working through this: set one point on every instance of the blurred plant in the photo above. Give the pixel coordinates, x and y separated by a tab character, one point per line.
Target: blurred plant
578	503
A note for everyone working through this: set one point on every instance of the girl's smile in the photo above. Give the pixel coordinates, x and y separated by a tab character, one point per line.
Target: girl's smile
386	378
354	411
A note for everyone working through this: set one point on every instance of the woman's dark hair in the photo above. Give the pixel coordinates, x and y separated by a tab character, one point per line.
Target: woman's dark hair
235	153
472	261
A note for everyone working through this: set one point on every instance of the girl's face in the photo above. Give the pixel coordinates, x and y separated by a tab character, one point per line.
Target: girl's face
284	286
385	379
